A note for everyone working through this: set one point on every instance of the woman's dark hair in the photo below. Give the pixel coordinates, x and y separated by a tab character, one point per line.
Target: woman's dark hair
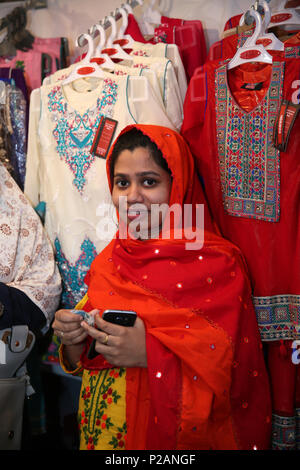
132	140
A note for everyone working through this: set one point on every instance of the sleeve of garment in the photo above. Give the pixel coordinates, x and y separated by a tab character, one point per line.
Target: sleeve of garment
32	181
215	51
18	309
143	105
174	55
195	107
65	364
35	272
172	97
154	82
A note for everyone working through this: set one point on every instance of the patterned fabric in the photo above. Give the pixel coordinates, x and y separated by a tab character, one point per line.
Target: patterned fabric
278	316
249	163
73	275
283	433
242	38
26	257
74	132
292	52
18	112
101	415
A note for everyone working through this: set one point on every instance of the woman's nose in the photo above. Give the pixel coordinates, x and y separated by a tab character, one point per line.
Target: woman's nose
134	193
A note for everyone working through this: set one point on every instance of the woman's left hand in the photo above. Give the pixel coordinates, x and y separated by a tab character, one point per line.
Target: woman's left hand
121	346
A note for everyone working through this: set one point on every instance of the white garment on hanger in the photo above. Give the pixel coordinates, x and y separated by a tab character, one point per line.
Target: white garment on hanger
62	172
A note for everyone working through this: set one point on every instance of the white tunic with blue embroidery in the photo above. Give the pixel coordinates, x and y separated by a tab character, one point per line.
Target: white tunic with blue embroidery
62	172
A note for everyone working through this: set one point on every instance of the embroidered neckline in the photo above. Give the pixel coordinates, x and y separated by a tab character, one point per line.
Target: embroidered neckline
249	164
74	132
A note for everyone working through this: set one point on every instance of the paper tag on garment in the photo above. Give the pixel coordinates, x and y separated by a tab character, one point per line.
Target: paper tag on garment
284	124
104	136
252	86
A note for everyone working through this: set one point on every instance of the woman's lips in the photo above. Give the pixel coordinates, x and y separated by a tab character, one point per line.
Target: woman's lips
134	214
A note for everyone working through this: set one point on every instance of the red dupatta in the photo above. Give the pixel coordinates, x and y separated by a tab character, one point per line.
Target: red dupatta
205	386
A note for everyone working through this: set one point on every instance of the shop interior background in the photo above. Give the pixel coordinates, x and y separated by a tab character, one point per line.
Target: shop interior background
70	18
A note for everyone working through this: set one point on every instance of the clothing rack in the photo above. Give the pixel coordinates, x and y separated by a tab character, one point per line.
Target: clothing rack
117	16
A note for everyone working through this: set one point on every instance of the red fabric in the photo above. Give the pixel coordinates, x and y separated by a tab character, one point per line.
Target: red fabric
133	29
232	22
283	375
163	368
197	306
189	36
271	249
273	246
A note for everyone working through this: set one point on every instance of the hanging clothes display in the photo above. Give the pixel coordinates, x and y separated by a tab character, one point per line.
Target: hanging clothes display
230	120
40	61
169	51
189	36
227	47
13	110
33	58
62	170
160	73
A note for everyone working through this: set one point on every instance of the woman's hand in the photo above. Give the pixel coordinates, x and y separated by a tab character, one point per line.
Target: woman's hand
67	326
121	346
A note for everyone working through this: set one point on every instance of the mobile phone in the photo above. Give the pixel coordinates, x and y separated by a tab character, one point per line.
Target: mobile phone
120	317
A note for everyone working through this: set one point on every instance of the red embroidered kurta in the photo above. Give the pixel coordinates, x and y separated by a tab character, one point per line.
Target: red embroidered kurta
253	190
254	195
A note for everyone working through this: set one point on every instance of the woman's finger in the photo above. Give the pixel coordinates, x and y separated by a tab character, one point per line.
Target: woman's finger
74	337
66	316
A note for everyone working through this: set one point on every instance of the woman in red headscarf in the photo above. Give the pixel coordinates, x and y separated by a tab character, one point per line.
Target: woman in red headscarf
190	373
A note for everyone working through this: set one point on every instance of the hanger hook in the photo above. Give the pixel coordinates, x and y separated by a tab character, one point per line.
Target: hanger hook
124	24
80	43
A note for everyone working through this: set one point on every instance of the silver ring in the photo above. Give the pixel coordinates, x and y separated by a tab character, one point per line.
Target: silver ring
60	333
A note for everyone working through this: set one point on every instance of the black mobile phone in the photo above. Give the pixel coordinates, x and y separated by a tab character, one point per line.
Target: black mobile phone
120	317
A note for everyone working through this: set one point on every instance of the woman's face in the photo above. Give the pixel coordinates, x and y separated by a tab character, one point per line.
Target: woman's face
144	183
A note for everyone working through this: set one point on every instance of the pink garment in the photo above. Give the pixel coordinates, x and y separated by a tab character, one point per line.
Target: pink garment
31	61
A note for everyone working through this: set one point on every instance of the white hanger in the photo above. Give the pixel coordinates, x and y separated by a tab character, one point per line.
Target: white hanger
268	40
289	16
85	67
123	39
145	26
107	62
151	15
116	51
127	7
251	52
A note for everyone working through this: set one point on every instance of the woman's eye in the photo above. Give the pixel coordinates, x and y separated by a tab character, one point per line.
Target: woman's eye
122	184
149	182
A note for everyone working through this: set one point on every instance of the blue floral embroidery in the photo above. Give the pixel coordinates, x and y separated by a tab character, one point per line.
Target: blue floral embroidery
74	133
74	288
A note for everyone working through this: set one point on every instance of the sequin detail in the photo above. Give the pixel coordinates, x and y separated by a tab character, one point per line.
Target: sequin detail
73	275
74	132
249	164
